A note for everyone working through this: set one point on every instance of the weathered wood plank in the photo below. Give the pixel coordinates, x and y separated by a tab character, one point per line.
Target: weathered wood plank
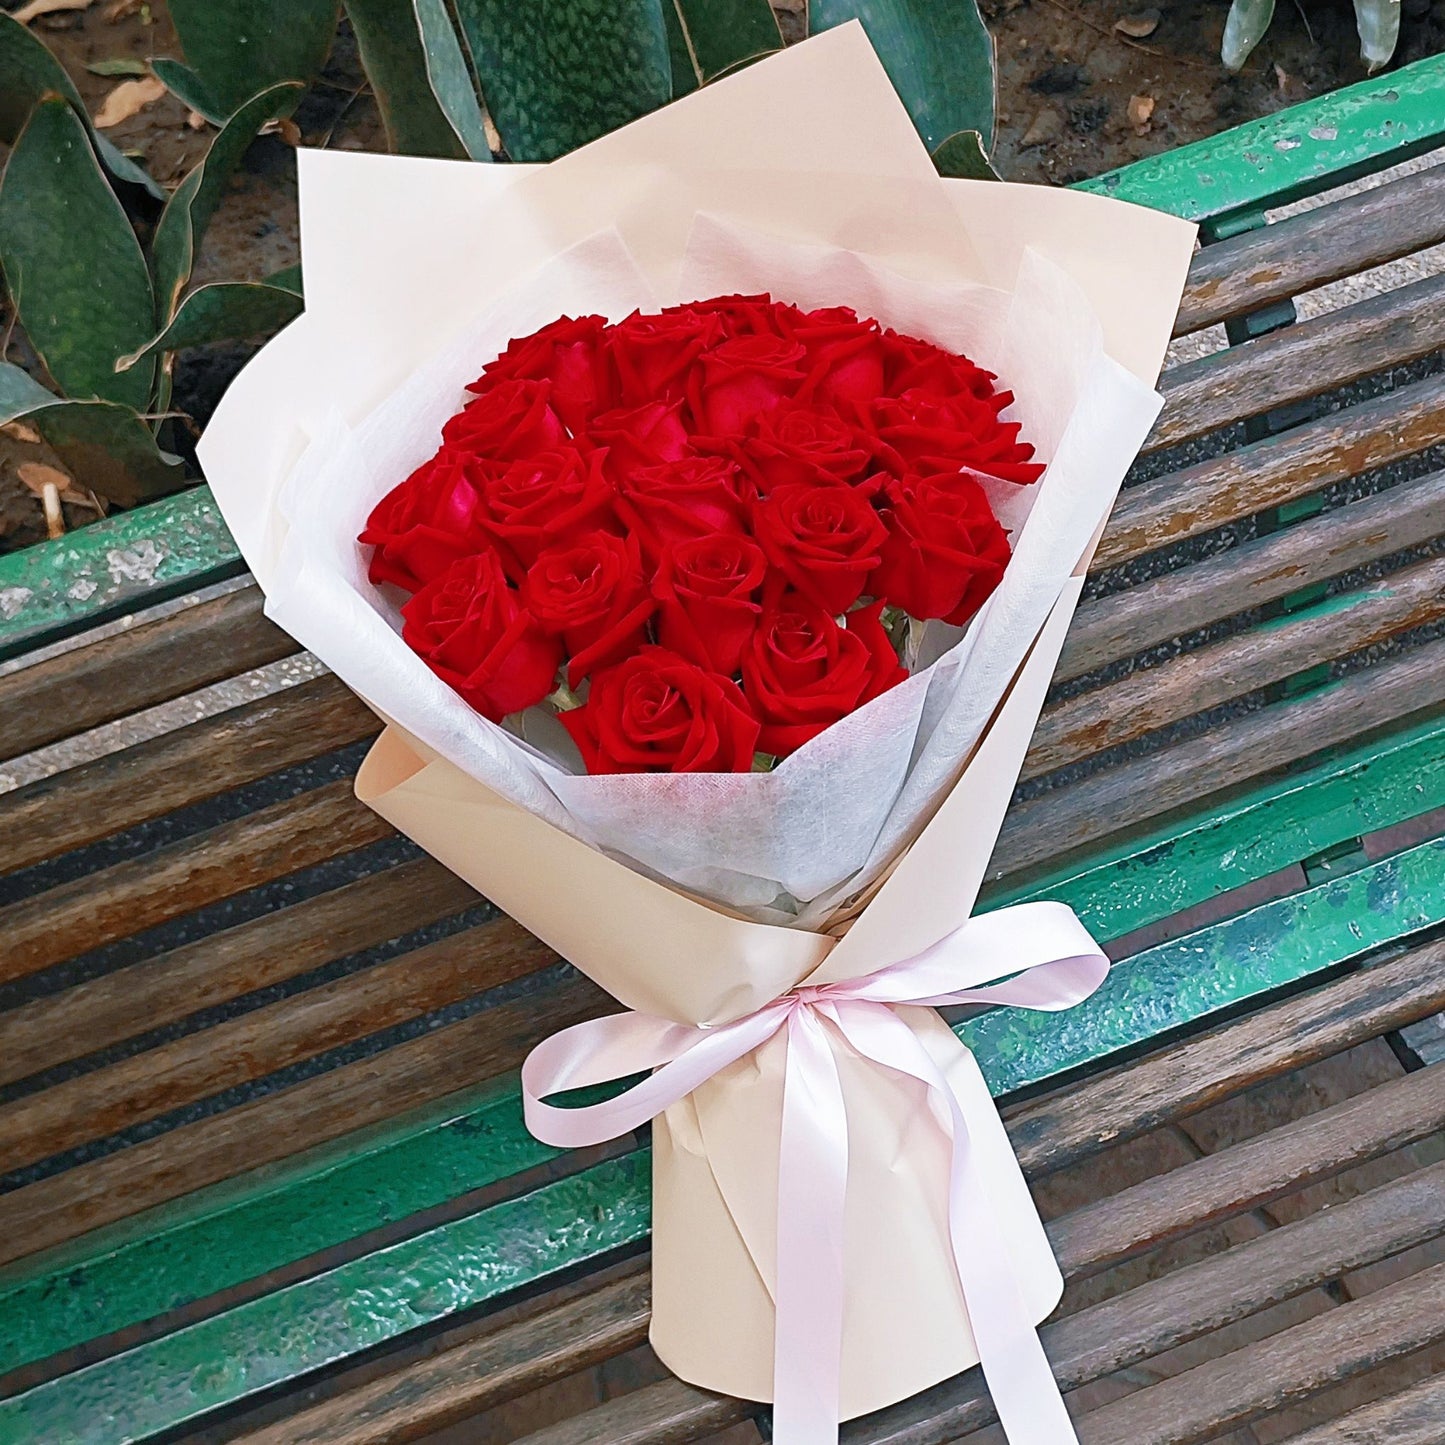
1196	681
177	769
1290	1366
284	1123
1410	1418
1250	271
108	1100
157	991
219	863
667	1413
151	663
1253	574
1049	827
1252	1173
1268	473
1301	361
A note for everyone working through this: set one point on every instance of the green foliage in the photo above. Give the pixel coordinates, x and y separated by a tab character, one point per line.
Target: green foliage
222	311
963	157
559	73
1378	22
235	48
720	36
939	57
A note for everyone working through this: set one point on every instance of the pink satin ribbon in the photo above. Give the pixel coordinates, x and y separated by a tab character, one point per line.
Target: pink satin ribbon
1054	964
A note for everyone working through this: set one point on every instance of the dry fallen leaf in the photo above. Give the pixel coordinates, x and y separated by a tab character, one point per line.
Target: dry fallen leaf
1138	25
1141	107
18	431
196	120
122	9
36	8
127	99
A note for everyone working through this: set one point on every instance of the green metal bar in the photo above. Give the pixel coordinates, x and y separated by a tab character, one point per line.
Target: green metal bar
280	1336
1296	152
221	1237
128	561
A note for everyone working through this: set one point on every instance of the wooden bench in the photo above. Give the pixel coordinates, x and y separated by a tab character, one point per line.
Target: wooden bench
264	1171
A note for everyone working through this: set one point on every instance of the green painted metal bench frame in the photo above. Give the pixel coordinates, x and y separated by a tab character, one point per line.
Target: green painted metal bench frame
224	1236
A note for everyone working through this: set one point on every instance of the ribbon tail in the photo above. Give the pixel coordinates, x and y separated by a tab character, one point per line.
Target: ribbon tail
809	1289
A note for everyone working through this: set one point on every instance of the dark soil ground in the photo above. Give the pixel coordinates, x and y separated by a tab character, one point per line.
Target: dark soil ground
1072	94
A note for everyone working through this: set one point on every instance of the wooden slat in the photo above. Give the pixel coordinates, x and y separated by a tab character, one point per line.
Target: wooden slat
178	769
1301	361
1201	1403
1049	827
222	966
1268	473
1410	1418
1250	271
1246	1175
223	861
288	1121
1196	681
108	1100
130	670
667	1413
1253	574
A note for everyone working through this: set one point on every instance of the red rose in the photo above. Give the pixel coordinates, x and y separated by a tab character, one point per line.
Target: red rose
677	500
708	588
509	421
740	379
470	628
757	315
567	354
651	354
659	713
591	593
845	358
547	499
824	539
927	433
802	672
422	526
642	436
798	444
945	551
909	364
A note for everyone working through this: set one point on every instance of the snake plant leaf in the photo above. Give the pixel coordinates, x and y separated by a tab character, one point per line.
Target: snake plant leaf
222	311
685	77
724	35
234	48
556	74
939	57
412	58
74	268
1243	30
963	157
288	278
28	72
105	445
1378	22
188	212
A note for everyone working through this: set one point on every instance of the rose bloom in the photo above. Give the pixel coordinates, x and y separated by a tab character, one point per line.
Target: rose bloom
658	712
925	434
511	420
824	540
945	551
802	672
592	594
844	358
568	355
707	588
687	498
739	380
470	627
650	355
422	526
641	436
910	364
803	444
757	315
540	501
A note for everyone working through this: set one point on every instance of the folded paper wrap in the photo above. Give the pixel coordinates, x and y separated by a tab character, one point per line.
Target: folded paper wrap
701	901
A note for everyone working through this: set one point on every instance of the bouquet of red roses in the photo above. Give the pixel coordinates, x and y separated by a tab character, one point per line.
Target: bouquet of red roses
703	535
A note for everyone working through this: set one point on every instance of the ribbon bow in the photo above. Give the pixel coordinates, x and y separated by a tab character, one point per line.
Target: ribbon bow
1054	963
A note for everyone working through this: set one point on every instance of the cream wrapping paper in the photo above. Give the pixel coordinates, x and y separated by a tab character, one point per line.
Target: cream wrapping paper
414	270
